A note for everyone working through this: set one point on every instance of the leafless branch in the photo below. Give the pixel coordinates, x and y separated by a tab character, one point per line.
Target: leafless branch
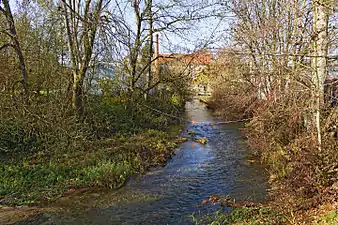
6	45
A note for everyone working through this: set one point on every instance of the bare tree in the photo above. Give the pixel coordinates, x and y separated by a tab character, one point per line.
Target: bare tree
12	34
321	9
275	36
287	42
151	42
152	17
82	19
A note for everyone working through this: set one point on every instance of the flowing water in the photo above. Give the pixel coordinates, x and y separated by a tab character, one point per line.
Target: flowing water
168	195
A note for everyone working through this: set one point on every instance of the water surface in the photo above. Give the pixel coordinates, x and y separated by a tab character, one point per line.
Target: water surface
168	195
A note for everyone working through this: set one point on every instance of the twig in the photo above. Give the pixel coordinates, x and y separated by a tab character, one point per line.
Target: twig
181	119
234	121
166	114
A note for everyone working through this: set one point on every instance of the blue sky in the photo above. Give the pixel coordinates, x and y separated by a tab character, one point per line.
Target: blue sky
210	32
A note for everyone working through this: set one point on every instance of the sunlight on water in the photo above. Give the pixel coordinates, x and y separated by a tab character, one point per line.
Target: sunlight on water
168	195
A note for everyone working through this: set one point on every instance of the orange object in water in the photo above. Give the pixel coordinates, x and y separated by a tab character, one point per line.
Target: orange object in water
193	122
193	144
212	124
213	199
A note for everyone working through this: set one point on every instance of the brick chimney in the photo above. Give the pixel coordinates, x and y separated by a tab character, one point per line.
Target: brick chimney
157	54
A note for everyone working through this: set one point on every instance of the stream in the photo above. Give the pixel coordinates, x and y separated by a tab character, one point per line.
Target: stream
170	194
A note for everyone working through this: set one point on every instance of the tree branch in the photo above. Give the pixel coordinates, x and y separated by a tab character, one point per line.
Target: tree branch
2	10
6	45
7	33
145	67
73	11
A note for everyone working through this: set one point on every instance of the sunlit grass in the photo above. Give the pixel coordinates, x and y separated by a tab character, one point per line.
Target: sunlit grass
242	216
330	218
106	164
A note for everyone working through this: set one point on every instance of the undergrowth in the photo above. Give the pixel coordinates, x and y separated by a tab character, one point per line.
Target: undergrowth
46	150
280	133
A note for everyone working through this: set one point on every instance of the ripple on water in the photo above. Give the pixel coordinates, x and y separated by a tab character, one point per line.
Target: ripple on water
170	194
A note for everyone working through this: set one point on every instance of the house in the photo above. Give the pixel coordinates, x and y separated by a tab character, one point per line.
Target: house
190	65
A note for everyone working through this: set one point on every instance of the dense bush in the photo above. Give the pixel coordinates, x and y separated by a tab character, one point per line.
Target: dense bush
279	133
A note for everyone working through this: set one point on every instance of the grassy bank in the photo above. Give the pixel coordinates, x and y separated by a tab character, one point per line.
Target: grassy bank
268	215
107	163
50	152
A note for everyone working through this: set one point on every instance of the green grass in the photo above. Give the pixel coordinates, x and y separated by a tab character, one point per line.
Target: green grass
106	163
242	216
330	218
50	151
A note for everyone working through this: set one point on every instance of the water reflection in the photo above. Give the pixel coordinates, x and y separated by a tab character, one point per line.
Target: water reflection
170	194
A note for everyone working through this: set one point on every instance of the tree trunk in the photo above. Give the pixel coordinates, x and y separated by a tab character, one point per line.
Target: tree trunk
151	42
320	27
81	37
16	45
137	45
77	99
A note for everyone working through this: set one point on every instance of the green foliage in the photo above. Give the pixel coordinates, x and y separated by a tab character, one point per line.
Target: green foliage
330	218
241	216
107	173
45	148
15	137
109	116
23	183
108	164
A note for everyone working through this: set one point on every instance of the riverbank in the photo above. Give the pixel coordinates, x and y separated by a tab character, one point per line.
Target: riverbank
270	214
170	194
107	163
50	152
287	204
